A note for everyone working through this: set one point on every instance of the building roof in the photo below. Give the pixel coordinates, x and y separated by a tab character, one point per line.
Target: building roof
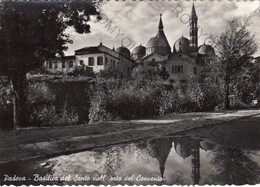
139	50
88	50
206	50
160	39
182	44
193	11
160	27
72	57
123	51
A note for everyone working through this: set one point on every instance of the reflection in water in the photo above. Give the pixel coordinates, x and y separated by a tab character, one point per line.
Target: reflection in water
160	149
233	166
175	160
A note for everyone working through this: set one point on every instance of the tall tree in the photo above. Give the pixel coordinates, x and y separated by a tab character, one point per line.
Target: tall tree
235	46
32	32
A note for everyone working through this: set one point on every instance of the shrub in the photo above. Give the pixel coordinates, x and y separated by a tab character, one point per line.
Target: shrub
124	100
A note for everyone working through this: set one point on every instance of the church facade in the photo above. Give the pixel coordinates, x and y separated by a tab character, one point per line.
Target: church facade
184	60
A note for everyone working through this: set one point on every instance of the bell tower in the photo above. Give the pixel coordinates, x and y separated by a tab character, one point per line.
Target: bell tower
193	28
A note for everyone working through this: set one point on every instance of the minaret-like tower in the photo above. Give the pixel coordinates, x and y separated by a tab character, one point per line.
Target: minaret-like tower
193	28
160	27
195	162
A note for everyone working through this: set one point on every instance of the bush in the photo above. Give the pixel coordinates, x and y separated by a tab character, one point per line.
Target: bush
140	98
115	99
58	102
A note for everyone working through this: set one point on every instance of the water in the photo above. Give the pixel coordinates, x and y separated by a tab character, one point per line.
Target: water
224	154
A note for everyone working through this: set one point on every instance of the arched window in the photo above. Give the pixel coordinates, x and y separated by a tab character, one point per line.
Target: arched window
91	61
182	69
179	69
81	62
100	61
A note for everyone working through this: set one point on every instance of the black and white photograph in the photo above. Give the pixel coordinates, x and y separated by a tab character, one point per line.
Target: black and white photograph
129	92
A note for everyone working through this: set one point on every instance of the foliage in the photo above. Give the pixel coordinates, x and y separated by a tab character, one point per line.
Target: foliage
124	99
82	71
32	32
114	99
234	167
235	46
151	73
109	72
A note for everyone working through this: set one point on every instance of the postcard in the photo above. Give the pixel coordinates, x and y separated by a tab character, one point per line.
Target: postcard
129	92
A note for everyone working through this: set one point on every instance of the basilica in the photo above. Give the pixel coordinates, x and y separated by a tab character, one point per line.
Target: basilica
185	59
182	61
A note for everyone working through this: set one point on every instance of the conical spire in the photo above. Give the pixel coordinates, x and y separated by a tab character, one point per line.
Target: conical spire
193	11
160	27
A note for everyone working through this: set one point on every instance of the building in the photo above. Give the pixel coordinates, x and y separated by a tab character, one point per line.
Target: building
97	57
184	60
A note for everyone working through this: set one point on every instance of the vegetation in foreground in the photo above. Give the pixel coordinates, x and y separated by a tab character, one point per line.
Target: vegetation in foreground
74	99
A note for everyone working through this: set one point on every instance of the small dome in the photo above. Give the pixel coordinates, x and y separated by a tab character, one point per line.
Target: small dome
206	146
183	149
124	51
139	50
182	44
206	50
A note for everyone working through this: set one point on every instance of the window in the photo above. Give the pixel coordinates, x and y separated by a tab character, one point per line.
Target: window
194	70
50	65
63	64
81	62
177	69
183	81
100	61
91	61
55	65
70	64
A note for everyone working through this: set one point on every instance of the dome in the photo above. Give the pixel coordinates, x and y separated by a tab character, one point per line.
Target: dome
206	146
183	149
124	51
182	44
139	50
206	50
159	45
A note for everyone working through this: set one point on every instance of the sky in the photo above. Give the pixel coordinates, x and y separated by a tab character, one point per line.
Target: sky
131	23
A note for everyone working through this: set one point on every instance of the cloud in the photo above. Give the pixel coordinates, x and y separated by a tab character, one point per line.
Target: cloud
138	20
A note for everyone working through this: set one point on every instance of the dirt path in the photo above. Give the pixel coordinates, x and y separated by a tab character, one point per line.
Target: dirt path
39	143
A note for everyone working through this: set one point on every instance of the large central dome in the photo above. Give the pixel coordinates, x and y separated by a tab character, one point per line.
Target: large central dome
159	43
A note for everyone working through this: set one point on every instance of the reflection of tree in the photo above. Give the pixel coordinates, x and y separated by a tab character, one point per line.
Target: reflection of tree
233	166
113	159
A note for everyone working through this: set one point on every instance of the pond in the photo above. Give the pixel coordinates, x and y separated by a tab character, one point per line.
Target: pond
220	154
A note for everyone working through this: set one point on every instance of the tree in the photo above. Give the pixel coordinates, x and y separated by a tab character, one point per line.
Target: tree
32	32
235	46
